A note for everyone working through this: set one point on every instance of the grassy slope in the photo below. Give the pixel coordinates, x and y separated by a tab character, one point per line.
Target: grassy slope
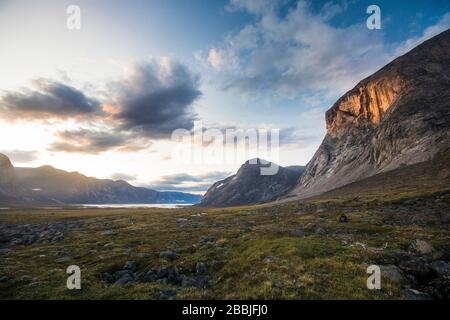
313	266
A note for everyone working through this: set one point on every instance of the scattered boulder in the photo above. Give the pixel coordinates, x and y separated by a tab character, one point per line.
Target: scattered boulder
199	282
320	231
413	294
131	266
206	239
171	274
393	273
167	294
441	268
200	268
168	254
126	278
420	247
417	267
268	259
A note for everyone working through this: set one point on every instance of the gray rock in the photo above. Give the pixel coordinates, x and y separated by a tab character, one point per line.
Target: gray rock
417	267
399	255
441	268
168	254
412	294
130	265
199	282
122	273
188	282
5	251
420	247
171	274
393	273
126	278
167	294
268	259
320	231
207	239
200	268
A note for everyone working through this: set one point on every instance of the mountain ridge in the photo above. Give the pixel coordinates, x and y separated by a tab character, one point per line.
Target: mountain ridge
248	186
398	116
49	185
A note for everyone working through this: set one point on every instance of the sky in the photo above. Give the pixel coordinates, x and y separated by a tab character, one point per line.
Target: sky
130	94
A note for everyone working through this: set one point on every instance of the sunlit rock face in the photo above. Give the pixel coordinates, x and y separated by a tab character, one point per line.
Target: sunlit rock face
398	116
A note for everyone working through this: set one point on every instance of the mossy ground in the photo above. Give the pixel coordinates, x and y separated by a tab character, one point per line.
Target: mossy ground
257	251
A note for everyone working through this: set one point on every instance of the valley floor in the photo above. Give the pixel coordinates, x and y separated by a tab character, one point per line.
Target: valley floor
296	250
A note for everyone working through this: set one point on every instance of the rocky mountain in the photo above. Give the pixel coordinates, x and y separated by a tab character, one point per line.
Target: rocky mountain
7	181
49	185
248	186
399	116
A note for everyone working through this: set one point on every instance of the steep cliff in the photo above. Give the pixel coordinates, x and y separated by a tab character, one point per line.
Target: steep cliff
398	116
7	180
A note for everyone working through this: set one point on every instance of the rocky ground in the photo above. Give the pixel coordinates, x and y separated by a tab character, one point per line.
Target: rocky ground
319	249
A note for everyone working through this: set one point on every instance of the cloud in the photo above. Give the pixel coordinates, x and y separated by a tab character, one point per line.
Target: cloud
442	25
20	155
123	176
188	183
48	100
290	51
310	132
155	98
96	141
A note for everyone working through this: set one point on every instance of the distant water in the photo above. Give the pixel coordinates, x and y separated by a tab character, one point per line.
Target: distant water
132	205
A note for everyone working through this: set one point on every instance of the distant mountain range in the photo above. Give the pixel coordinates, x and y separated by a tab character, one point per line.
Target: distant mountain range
53	186
248	186
394	119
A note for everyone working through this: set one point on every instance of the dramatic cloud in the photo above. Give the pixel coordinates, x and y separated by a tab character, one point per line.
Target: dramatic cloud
294	51
48	100
442	25
188	183
155	98
93	141
20	155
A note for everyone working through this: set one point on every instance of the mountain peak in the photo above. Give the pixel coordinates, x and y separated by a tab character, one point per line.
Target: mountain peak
397	116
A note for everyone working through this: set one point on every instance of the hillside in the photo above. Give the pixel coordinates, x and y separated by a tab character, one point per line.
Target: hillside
48	185
249	186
